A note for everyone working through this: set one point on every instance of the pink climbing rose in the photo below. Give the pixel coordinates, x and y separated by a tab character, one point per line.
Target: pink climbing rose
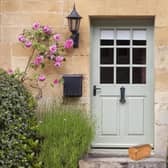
41	77
47	29
59	58
53	49
68	43
56	81
58	61
57	37
21	38
51	57
36	26
38	60
57	64
49	32
10	71
28	44
48	46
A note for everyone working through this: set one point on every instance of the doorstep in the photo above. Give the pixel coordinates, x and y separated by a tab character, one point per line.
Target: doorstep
107	161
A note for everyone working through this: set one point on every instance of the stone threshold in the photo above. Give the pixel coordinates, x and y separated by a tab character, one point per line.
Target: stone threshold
111	161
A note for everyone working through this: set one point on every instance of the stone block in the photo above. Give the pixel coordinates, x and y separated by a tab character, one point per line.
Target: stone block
68	5
16	19
161	20
83	49
19	62
18	50
122	162
0	34
51	19
43	5
11	6
161	97
161	139
162	14
48	91
161	36
1	6
10	34
5	59
80	64
162	114
75	65
161	59
0	19
161	80
84	41
86	86
115	8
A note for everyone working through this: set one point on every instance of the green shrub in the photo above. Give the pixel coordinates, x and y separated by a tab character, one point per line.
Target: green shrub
67	132
19	138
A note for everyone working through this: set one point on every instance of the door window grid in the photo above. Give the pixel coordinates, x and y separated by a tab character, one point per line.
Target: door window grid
131	47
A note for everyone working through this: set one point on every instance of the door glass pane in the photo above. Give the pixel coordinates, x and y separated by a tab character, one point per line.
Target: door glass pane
123	42
123	74
106	42
139	75
139	37
139	42
106	55
107	34
106	75
123	34
139	34
123	55
139	55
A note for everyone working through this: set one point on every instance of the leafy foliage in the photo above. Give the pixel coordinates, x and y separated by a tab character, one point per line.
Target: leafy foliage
19	142
68	132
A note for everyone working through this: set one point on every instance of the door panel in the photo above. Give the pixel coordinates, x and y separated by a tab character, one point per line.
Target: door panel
110	116
122	57
135	116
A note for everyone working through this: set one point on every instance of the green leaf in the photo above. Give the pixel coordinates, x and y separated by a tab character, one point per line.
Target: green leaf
35	76
35	45
52	85
42	65
61	81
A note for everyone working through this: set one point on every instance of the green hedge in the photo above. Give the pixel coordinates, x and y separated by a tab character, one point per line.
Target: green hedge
19	137
68	133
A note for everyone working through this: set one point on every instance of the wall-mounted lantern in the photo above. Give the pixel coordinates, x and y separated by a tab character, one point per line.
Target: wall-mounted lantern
74	23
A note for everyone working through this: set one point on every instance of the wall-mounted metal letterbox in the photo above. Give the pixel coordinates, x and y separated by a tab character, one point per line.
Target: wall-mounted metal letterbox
72	85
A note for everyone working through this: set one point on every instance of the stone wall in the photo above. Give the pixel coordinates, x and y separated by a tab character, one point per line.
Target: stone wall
15	15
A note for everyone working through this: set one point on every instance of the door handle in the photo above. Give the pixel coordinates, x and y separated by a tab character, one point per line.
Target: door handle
95	89
122	95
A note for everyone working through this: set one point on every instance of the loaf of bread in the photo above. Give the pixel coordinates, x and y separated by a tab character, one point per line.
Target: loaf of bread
139	152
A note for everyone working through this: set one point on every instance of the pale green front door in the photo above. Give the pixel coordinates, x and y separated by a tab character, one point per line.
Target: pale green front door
122	85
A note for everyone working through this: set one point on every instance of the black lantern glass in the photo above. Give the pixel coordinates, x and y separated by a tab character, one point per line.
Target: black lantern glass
74	23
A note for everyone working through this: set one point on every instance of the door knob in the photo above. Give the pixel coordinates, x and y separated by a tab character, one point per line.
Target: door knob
122	95
95	89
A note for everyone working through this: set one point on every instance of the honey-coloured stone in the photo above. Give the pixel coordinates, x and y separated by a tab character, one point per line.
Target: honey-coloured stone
10	6
5	58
